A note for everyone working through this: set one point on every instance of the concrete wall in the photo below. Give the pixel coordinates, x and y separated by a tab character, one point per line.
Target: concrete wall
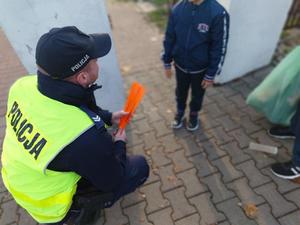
25	21
255	29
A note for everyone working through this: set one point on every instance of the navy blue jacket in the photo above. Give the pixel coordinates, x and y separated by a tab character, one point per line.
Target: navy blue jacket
93	155
196	37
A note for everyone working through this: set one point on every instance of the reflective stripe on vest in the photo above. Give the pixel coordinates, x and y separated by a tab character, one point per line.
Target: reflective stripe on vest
37	129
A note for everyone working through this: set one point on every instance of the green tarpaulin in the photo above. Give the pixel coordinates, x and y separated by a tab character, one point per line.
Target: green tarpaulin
277	96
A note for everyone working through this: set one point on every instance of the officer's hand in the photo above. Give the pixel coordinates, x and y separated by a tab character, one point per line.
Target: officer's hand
116	116
120	135
207	83
168	73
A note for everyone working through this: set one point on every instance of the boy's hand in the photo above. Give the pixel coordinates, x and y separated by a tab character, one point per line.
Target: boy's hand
120	135
207	83
116	116
168	73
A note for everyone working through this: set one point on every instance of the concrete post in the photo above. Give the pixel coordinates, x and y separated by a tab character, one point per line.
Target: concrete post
25	21
255	29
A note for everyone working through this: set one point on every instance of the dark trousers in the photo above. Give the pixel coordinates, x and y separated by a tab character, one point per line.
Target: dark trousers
136	173
295	125
183	83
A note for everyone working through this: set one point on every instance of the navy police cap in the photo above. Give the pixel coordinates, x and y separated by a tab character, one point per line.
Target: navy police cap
62	52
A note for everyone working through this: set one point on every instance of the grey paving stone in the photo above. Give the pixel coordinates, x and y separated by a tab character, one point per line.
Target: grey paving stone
254	175
234	213
150	140
189	220
153	115
245	90
238	100
161	217
158	156
153	176
161	128
224	223
24	218
218	189
220	99
136	214
262	160
204	167
220	136
254	115
132	199
290	219
294	196
133	139
136	150
190	146
207	121
241	137
168	178
155	200
179	203
181	163
5	196
248	125
2	187
207	211
227	90
114	215
8	214
191	182
227	123
263	138
279	205
227	170
201	135
143	126
213	110
170	142
245	193
237	155
264	216
212	149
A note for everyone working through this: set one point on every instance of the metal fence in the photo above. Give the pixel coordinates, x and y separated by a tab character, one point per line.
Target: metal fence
294	16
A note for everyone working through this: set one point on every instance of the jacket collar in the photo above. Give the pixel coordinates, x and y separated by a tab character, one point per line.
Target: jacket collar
67	92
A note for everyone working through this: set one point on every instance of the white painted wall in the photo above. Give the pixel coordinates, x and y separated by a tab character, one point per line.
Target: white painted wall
24	21
255	29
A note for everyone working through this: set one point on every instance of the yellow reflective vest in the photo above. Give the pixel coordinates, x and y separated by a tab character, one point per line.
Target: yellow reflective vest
37	129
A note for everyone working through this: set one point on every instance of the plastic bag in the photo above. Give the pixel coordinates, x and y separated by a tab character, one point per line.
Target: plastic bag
277	96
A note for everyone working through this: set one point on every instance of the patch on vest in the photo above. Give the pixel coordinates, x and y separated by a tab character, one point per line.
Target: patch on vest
23	128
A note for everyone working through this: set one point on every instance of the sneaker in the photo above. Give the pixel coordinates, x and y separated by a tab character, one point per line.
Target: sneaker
286	170
281	132
193	123
178	121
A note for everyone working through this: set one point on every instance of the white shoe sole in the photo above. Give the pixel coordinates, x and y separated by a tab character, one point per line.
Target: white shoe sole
192	129
178	126
285	177
280	137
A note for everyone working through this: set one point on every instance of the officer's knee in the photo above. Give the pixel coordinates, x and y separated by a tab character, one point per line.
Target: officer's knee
143	168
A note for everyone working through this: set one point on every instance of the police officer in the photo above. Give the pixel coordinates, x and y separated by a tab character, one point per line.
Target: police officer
56	144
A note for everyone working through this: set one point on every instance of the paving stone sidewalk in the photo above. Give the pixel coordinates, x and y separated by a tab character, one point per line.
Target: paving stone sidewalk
196	178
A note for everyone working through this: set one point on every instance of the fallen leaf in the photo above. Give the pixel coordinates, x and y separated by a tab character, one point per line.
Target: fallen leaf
250	210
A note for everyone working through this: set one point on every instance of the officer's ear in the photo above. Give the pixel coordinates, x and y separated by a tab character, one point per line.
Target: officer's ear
82	79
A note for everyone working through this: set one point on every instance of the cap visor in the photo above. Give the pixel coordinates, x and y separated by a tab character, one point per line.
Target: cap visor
102	45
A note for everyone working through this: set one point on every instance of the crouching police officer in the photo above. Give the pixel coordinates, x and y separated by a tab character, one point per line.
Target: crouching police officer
58	158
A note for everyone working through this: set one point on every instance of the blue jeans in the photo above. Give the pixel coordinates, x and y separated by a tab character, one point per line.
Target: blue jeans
295	125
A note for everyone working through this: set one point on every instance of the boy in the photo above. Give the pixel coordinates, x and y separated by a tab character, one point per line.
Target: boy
196	41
